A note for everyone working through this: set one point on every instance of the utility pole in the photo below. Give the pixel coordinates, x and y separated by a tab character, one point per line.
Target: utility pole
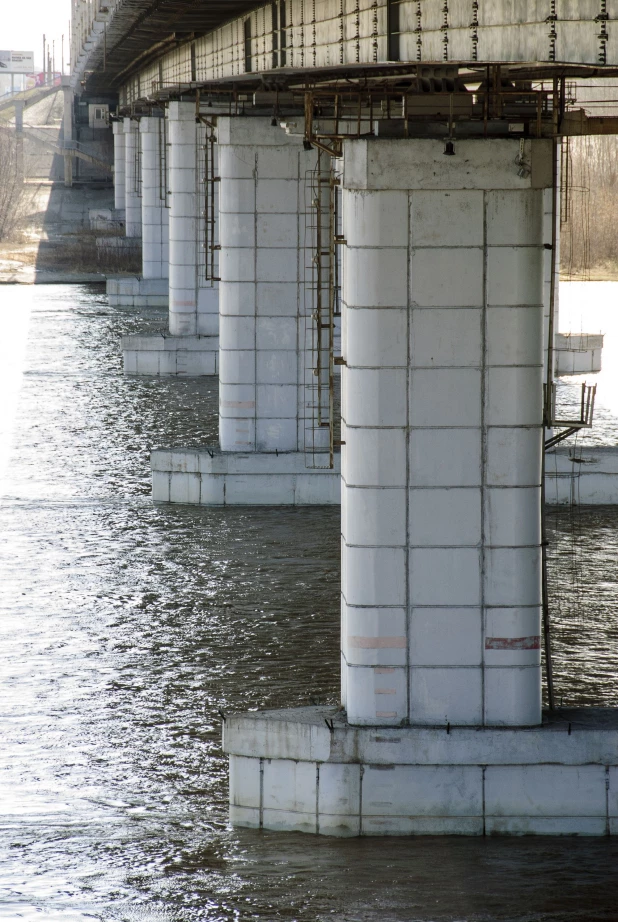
44	59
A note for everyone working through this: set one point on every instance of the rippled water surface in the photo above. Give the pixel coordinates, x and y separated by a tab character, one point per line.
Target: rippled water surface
125	628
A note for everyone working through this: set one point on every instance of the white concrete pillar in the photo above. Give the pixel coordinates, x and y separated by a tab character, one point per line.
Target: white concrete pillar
194	299
261	368
442	431
119	166
548	217
155	214
183	218
133	200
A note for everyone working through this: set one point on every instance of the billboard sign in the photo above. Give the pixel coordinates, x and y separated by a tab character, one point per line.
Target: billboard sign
16	62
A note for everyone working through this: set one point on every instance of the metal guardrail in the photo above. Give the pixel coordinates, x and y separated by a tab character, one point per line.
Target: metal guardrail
29	97
72	148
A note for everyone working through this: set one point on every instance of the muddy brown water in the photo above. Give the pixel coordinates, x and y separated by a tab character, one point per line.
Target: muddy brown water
126	627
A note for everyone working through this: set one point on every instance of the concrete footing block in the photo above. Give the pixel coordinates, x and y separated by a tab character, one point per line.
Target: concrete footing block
307	769
115	244
590	477
578	353
209	477
133	291
164	354
585	476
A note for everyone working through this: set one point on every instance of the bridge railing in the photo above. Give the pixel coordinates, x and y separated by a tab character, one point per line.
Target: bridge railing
85	15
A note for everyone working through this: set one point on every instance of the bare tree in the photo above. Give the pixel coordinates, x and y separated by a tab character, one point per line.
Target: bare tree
11	182
589	207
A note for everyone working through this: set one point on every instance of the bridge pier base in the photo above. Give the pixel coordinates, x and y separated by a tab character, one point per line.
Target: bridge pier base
441	728
308	770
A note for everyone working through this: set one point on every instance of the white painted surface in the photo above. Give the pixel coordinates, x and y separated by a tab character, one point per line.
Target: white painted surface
306	769
182	218
133	291
133	201
194	300
163	354
262	272
155	214
441	405
480	165
119	166
582	475
210	477
578	353
585	477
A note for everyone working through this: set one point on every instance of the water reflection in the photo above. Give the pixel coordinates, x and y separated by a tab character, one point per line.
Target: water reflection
126	627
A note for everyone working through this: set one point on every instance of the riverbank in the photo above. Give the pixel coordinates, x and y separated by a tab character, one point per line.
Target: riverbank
602	272
54	243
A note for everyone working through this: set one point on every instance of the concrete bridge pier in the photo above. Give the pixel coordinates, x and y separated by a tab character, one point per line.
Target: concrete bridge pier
133	195
119	167
441	729
551	264
155	214
173	248
150	289
262	457
194	300
125	290
442	420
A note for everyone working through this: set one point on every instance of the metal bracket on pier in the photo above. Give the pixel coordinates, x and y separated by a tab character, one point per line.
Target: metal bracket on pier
571	426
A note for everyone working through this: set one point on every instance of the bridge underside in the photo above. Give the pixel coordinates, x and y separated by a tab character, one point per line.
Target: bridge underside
147	29
136	47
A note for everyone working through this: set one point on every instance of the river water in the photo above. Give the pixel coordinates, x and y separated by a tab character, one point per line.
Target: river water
592	307
125	628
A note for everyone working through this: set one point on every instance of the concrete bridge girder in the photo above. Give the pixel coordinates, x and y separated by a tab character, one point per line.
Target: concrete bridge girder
197	42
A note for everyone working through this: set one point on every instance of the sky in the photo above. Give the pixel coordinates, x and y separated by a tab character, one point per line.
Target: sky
23	23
